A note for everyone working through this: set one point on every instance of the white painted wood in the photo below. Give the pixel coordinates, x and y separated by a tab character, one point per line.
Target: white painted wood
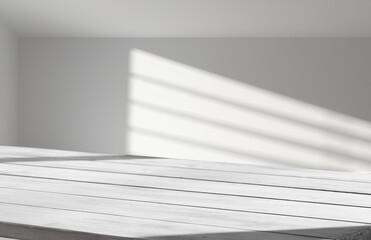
293	208
185	175
246	168
57	222
165	199
182	214
132	193
254	190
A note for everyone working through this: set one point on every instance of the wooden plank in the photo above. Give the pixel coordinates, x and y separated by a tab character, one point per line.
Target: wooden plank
220	177
184	214
291	208
206	165
43	223
254	190
120	201
244	168
12	153
127	192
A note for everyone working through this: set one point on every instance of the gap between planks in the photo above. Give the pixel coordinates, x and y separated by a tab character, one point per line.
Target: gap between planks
353	214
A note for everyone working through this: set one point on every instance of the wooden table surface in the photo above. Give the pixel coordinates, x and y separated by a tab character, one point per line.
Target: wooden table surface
56	195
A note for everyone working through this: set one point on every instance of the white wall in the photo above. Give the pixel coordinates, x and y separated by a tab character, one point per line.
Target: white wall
76	94
8	86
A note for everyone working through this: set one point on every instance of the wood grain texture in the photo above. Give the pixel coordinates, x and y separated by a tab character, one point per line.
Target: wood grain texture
113	197
275	192
245	168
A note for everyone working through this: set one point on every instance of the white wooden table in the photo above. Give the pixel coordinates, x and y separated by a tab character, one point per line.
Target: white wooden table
56	195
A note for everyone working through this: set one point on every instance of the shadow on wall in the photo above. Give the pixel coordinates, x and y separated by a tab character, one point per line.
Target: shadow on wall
180	111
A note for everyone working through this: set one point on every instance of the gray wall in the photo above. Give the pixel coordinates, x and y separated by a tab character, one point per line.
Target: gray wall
74	92
8	87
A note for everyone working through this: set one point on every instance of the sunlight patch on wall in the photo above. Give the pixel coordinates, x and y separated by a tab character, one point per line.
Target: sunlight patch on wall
180	111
